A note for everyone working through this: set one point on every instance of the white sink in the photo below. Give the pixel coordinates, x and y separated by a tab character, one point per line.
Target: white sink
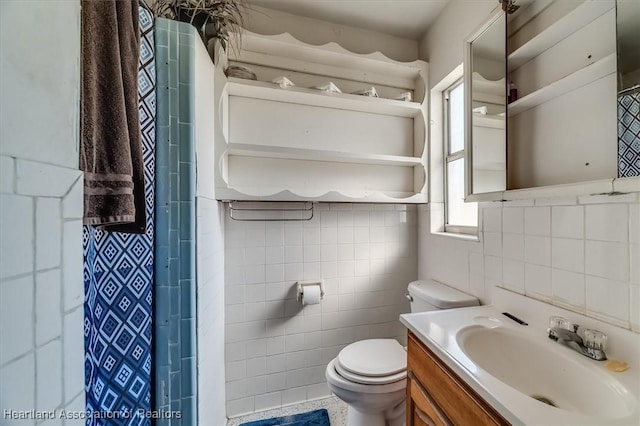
509	364
546	371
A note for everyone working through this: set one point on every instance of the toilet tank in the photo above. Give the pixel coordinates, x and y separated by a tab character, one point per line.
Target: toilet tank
430	295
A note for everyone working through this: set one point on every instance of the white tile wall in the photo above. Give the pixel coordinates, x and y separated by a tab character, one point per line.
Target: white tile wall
211	311
41	318
40	86
42	349
276	350
578	253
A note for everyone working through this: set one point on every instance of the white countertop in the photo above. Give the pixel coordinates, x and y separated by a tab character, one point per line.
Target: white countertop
438	330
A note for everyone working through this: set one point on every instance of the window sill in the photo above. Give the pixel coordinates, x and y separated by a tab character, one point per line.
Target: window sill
464	237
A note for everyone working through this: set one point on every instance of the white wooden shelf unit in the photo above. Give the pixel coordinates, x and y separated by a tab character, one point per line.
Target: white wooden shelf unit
301	144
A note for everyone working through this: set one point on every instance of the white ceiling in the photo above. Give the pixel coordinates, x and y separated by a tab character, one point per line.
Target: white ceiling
402	18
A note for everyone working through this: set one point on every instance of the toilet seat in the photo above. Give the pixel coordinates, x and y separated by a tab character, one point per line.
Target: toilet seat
335	380
372	362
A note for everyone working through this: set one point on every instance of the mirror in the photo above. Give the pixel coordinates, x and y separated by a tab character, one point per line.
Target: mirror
628	41
485	125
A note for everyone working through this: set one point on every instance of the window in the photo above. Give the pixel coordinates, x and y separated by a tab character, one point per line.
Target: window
460	217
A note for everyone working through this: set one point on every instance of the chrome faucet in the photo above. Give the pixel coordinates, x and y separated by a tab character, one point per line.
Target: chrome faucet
591	346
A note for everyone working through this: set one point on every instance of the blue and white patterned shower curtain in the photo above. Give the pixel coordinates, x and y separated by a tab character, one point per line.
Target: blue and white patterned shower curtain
118	278
629	134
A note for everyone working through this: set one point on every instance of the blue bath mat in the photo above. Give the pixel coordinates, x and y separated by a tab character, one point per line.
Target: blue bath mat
312	418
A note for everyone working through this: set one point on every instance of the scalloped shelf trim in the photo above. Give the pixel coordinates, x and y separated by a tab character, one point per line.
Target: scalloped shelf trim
287	39
250	194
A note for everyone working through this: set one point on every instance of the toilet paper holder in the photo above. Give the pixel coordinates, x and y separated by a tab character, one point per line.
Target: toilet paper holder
302	284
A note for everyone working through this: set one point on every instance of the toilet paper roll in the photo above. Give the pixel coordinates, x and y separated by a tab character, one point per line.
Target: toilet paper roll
311	295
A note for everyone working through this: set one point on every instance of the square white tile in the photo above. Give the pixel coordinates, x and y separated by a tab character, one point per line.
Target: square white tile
567	254
16	225
608	299
274	234
48	233
274	273
328	219
569	289
607	260
513	275
345	235
48	305
537	250
493	243
293	236
493	268
274	255
329	235
567	221
45	180
254	256
537	282
311	253
537	221
268	400
311	236
17	392
17	309
513	246
361	235
492	219
513	220
607	222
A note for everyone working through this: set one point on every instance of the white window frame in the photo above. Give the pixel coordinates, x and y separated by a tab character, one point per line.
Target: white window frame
449	157
438	161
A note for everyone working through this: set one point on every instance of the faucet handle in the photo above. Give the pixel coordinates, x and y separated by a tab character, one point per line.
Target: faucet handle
594	339
560	322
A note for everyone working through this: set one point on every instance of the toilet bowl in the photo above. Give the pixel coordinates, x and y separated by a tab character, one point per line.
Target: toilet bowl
371	375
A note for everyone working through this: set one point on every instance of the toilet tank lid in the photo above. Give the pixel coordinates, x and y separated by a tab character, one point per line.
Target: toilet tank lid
440	295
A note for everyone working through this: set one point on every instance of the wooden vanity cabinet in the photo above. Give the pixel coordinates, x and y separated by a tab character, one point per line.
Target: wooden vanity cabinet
436	396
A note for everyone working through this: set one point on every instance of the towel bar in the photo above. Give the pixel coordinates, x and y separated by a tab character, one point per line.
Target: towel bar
269	211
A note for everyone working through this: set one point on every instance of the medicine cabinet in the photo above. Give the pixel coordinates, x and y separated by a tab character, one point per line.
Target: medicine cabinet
559	93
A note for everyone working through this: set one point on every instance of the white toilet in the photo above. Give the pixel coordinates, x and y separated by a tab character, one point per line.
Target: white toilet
371	375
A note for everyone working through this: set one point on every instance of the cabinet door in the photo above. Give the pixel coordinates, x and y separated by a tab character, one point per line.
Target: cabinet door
423	410
451	396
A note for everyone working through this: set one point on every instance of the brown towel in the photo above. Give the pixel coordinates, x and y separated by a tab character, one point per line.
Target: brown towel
110	142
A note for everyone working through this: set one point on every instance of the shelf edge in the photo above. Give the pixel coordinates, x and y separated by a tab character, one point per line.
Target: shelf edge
303	96
253	150
569	83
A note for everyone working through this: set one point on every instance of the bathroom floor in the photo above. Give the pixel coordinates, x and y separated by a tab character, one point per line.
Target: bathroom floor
336	408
